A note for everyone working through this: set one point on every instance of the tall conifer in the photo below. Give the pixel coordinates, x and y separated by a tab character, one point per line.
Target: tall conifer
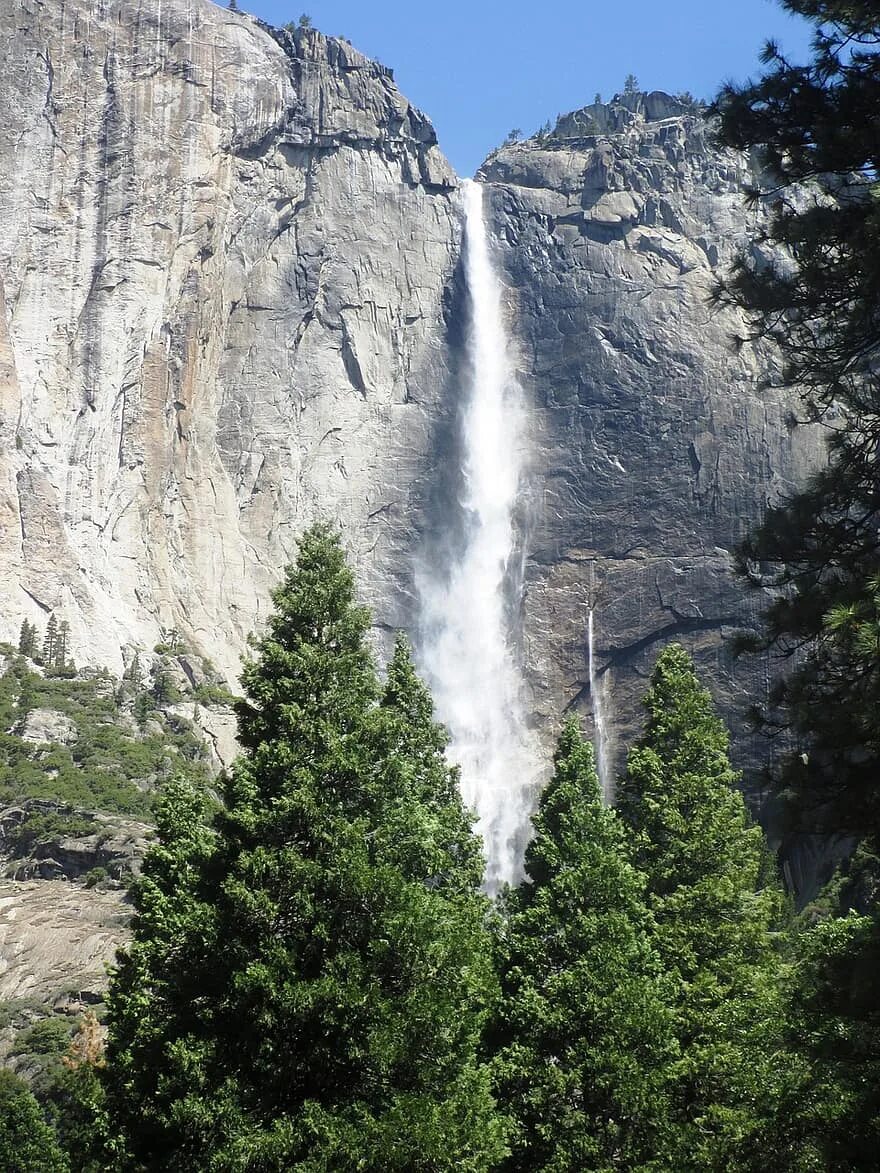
584	1038
715	909
324	969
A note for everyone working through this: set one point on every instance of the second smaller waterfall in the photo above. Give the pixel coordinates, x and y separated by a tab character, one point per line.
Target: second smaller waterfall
597	690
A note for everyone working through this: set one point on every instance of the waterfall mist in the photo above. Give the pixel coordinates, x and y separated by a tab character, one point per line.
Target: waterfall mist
469	650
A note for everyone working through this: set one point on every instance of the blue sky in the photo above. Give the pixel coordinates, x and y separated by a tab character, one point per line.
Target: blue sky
480	68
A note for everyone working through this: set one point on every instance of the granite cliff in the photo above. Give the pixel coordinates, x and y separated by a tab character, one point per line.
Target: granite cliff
655	444
233	302
223	260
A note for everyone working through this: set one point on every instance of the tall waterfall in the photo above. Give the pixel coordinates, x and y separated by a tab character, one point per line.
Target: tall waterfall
469	651
597	701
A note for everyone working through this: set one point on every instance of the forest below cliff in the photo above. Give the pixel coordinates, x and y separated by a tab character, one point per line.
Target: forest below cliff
316	979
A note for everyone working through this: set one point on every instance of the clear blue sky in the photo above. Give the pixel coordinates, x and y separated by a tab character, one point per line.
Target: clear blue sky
479	68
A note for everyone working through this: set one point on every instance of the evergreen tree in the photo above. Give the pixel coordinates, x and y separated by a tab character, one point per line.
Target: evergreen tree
161	687
50	642
308	982
27	1144
818	299
27	639
62	646
831	1118
584	1036
715	914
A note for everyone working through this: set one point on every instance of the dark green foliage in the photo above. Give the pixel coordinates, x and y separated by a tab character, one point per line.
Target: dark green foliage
821	305
631	84
584	1036
27	639
50	642
162	687
832	1119
715	913
308	980
107	768
44	826
27	1144
213	694
49	1036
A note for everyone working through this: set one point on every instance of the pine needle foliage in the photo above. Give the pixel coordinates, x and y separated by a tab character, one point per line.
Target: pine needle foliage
309	977
584	1037
716	909
813	127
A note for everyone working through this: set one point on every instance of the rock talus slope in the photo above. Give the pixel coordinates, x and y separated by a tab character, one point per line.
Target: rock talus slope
223	260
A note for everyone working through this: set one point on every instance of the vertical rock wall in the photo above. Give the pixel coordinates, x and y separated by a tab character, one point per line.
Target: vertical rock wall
223	261
231	304
655	449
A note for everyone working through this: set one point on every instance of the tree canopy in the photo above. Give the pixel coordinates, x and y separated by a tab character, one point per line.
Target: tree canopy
27	1143
812	284
309	977
584	1036
714	907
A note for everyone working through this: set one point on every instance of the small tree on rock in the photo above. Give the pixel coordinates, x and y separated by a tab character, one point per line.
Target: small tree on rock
27	639
50	642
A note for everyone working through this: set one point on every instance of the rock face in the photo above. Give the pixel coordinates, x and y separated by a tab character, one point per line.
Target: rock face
233	302
43	726
653	449
223	260
57	938
113	844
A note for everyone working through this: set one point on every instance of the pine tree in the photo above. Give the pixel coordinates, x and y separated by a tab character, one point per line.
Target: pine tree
584	1036
307	985
818	299
62	646
27	1144
715	912
831	1119
50	643
27	639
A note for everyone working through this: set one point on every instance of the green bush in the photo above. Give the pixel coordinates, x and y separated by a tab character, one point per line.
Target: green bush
27	1144
49	1036
111	766
43	826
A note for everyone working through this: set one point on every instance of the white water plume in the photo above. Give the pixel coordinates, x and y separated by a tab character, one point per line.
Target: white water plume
597	698
469	651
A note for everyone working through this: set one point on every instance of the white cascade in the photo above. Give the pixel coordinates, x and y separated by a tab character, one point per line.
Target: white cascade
597	701
468	653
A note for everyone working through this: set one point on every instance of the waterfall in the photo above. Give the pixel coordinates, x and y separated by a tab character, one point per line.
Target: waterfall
597	698
468	652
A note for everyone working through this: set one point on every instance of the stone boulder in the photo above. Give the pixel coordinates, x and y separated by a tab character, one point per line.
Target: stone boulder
48	726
